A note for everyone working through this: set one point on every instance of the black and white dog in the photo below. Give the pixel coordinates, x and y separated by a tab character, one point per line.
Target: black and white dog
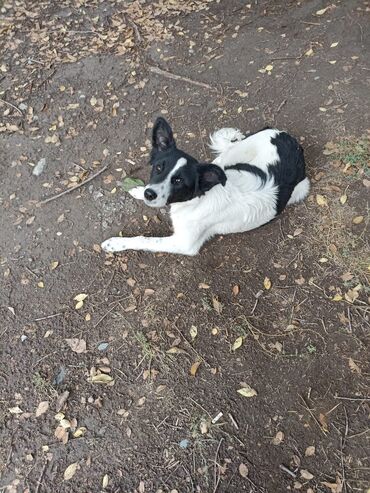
249	183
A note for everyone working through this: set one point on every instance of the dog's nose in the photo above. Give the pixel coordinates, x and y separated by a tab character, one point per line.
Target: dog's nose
150	194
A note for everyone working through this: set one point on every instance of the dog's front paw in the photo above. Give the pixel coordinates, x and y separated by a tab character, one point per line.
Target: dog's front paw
112	245
137	192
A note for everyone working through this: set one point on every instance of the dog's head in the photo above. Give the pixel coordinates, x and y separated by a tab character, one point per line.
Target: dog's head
176	176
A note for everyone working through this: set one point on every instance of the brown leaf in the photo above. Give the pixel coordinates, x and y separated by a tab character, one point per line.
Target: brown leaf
243	470
347	276
306	474
358	219
355	368
62	399
278	438
310	451
194	368
42	408
267	283
323	420
77	345
203	285
70	471
236	290
216	305
321	200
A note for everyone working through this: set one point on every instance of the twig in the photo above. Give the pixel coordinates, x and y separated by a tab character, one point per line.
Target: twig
359	434
351	398
48	316
105	314
40	478
342	444
170	75
12	106
288	471
312	415
54	197
232	419
287	57
281	105
216	468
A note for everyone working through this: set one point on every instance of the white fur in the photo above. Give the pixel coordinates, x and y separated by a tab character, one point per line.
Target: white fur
244	203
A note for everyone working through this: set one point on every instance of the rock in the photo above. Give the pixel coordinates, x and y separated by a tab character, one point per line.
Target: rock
39	168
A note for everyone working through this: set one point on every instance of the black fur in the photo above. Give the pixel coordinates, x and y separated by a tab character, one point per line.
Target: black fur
290	170
250	168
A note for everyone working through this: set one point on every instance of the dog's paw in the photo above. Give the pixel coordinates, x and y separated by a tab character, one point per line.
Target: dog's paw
113	245
137	193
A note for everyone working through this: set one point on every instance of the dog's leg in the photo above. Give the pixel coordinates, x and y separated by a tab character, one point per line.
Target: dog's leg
168	244
137	193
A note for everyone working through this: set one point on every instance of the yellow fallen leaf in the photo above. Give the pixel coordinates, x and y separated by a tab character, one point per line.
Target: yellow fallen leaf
79	305
101	378
309	52
355	368
333	45
54	265
322	11
175	350
267	283
358	219
238	342
41	284
79	432
193	332
343	199
337	297
247	391
80	297
105	481
194	368
321	200
332	62
87	317
70	471
269	68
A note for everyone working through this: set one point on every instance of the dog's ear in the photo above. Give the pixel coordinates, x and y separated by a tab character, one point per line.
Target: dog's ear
162	137
209	175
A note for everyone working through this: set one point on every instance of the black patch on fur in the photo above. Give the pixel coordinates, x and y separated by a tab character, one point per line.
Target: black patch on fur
250	168
290	170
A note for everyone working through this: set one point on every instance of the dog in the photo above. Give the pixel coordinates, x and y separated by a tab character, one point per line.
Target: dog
251	181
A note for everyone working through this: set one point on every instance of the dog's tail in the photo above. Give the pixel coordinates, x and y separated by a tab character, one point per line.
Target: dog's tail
223	139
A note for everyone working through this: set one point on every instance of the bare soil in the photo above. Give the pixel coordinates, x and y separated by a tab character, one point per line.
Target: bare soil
100	393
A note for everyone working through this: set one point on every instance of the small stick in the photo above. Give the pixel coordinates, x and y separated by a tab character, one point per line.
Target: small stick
312	415
233	421
12	106
288	471
48	316
40	478
352	398
169	75
359	434
43	202
217	479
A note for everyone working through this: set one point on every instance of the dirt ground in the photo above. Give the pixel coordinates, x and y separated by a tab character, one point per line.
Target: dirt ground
114	370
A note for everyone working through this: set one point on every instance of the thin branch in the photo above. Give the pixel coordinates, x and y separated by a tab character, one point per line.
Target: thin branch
79	185
12	106
170	75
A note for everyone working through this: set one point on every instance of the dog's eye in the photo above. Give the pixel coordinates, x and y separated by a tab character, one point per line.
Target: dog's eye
159	167
176	180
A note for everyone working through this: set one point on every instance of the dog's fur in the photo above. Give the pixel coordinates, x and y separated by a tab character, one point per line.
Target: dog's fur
251	181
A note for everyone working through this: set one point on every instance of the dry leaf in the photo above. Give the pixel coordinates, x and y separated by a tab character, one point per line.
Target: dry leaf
337	297
105	481
236	290
194	368
343	199
79	305
204	427
322	11
323	420
336	487
306	474
238	342
247	391
358	219
193	332
279	437
54	265
333	45
70	471
101	378
203	285
217	305
268	68
77	345
351	295
309	52
175	350
355	368
267	283
42	408
321	200
79	432
80	297
243	470
310	451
